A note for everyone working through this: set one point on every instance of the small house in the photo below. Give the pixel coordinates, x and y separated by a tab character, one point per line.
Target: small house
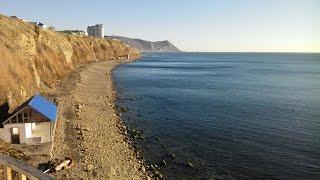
39	24
32	123
124	57
42	25
17	17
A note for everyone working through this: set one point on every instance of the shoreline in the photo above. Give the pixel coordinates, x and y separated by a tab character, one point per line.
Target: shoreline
89	131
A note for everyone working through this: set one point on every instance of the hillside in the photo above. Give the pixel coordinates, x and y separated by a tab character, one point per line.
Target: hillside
34	59
147	46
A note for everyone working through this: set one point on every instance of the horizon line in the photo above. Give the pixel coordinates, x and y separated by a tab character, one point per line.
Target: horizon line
238	52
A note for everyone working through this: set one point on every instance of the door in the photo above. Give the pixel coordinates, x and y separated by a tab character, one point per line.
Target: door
15	135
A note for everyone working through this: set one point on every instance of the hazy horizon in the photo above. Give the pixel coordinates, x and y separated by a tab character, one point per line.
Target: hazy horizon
193	26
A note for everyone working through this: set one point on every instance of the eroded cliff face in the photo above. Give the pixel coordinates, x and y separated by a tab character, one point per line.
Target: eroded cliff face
33	59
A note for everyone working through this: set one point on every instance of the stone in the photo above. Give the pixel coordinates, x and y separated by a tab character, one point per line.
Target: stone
189	164
90	167
163	162
84	150
172	155
158	174
143	169
84	128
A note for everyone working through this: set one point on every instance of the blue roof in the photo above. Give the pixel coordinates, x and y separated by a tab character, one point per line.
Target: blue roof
44	107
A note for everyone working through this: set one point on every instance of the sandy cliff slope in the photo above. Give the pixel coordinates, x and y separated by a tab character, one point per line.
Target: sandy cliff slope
33	59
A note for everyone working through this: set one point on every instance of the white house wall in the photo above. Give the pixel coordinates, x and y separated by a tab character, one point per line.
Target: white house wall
6	132
1	133
28	130
43	130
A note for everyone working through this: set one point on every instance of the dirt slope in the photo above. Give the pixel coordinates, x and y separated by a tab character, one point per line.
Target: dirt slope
34	59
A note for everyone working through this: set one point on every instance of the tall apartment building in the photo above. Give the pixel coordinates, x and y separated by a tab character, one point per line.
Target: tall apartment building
96	30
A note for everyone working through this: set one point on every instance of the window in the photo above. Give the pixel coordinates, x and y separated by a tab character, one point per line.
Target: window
19	117
25	116
15	130
33	126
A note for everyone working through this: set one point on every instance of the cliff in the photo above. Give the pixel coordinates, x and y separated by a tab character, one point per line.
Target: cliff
34	59
147	46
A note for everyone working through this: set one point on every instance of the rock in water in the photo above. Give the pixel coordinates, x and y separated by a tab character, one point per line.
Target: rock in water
163	162
158	174
172	155
143	169
189	164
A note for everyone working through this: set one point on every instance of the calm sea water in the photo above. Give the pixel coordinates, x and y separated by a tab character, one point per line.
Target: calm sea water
232	115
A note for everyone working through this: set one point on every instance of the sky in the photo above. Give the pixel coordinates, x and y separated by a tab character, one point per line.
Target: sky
191	25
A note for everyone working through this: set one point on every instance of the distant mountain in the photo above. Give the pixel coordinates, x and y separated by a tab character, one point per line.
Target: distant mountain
147	46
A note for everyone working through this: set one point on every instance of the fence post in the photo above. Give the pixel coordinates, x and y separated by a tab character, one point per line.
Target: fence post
23	177
9	173
23	170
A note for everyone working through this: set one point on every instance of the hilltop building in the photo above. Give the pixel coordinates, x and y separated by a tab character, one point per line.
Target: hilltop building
79	32
32	123
96	30
39	24
18	17
74	32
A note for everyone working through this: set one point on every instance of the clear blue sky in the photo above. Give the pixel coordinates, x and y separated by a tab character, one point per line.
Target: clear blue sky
193	25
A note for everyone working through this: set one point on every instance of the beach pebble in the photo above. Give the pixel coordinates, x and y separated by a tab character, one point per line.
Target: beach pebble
143	169
90	167
158	174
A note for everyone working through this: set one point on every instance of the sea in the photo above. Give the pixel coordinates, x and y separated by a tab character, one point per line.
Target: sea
224	115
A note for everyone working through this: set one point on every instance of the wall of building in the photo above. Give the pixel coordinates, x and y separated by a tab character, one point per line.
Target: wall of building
96	30
43	130
38	133
6	132
1	133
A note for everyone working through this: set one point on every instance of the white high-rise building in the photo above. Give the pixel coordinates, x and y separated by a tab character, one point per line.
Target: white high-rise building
96	30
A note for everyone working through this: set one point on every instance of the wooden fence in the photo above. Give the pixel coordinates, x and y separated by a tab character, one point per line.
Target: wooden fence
14	169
